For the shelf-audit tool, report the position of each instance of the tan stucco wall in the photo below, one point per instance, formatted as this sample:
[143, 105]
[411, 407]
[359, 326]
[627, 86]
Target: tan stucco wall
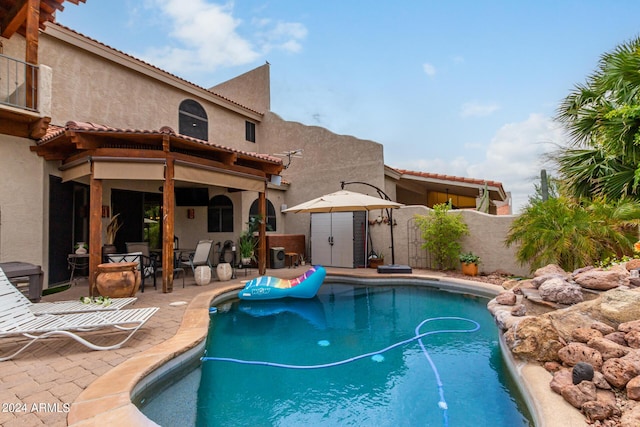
[22, 184]
[327, 159]
[486, 239]
[90, 88]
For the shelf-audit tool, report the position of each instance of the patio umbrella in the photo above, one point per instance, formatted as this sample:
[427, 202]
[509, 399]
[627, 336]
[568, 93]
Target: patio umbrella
[343, 201]
[348, 201]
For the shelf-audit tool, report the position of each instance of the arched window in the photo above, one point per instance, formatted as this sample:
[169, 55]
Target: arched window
[193, 120]
[220, 215]
[271, 214]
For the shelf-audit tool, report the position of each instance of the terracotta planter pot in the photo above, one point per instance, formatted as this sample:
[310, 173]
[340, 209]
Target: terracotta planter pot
[470, 269]
[117, 279]
[376, 262]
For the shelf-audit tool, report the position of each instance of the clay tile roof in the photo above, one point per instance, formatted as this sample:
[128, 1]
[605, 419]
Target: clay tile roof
[55, 131]
[453, 178]
[159, 69]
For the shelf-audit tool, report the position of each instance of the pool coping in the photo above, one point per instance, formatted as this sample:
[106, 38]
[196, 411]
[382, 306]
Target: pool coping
[108, 400]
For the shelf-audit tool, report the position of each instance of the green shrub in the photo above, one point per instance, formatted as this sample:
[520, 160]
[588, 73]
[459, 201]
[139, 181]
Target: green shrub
[441, 232]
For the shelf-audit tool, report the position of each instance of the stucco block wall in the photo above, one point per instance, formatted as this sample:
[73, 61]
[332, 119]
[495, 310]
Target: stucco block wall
[487, 234]
[21, 202]
[327, 159]
[90, 88]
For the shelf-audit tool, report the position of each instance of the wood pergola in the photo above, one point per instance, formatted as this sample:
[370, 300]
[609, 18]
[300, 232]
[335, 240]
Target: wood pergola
[94, 153]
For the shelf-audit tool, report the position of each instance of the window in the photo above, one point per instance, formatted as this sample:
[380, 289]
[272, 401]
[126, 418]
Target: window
[271, 214]
[250, 131]
[193, 120]
[220, 215]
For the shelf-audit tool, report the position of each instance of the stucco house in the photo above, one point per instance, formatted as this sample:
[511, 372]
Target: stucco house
[87, 131]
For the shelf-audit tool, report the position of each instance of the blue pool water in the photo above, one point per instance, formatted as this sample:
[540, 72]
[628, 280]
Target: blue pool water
[452, 378]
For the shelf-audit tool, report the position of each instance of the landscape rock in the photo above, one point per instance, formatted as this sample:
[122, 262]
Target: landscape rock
[578, 395]
[552, 366]
[596, 410]
[506, 298]
[631, 418]
[600, 382]
[561, 379]
[617, 337]
[633, 339]
[534, 338]
[603, 279]
[519, 310]
[633, 325]
[561, 291]
[633, 388]
[510, 284]
[584, 335]
[603, 327]
[565, 321]
[582, 371]
[632, 264]
[539, 280]
[618, 372]
[577, 352]
[608, 349]
[620, 305]
[549, 270]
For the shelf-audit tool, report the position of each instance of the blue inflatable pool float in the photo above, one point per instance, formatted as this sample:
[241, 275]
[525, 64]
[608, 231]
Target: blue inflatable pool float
[267, 287]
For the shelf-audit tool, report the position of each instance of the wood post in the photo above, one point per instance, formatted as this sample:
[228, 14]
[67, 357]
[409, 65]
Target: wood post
[31, 53]
[95, 230]
[168, 218]
[262, 232]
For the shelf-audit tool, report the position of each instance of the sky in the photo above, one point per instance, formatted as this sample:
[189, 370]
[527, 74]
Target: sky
[462, 87]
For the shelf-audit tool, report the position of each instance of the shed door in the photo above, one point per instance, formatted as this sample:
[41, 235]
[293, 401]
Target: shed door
[332, 239]
[342, 233]
[321, 239]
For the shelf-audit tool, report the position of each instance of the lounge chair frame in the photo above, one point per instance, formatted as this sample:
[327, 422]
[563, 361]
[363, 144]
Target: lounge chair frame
[17, 319]
[59, 307]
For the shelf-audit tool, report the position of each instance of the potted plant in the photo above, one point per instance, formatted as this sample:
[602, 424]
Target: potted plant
[246, 246]
[470, 263]
[376, 259]
[112, 229]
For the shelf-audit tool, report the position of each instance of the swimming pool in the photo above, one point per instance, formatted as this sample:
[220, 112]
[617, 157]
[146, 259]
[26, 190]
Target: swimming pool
[395, 387]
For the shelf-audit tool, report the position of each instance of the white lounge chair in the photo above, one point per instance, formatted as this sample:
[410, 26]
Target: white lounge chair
[16, 319]
[60, 307]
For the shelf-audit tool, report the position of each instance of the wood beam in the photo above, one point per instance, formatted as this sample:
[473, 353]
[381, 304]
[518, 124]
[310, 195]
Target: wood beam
[95, 230]
[31, 53]
[168, 229]
[14, 19]
[38, 129]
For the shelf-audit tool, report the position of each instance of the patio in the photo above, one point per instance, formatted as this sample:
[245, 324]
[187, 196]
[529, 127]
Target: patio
[43, 382]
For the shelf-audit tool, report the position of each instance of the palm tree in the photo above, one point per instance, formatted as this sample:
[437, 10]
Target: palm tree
[603, 119]
[573, 234]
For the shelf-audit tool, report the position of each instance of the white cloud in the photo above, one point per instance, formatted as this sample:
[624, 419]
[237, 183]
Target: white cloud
[204, 36]
[429, 69]
[514, 157]
[477, 109]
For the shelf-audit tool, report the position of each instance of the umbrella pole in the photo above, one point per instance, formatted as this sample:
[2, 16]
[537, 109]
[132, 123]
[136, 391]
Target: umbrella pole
[382, 195]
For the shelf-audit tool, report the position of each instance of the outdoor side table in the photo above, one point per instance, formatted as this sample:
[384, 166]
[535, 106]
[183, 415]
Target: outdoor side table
[34, 272]
[77, 261]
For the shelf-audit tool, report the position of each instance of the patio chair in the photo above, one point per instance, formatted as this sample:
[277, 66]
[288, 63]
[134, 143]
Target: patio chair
[16, 319]
[200, 257]
[60, 307]
[146, 268]
[149, 260]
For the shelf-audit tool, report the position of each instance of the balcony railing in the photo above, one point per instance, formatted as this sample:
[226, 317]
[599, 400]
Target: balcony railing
[18, 83]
